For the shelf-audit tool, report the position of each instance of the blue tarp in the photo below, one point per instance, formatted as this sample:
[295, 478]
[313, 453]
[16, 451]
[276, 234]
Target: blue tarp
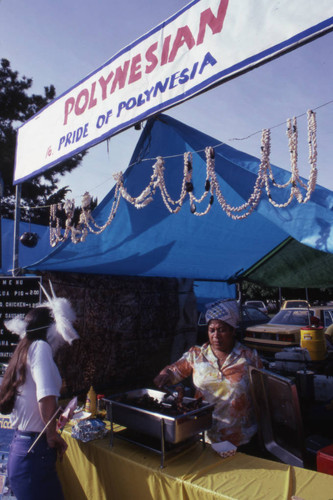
[154, 242]
[26, 255]
[210, 291]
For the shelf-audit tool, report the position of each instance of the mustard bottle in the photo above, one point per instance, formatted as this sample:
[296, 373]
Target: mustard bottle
[90, 406]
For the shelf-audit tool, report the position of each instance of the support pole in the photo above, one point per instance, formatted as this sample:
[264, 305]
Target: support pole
[15, 270]
[1, 195]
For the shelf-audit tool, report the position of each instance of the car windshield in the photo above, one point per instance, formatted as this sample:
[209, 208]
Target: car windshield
[296, 303]
[328, 317]
[255, 303]
[291, 317]
[253, 314]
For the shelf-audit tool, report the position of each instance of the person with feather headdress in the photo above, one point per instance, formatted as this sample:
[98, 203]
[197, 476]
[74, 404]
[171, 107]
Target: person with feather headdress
[29, 393]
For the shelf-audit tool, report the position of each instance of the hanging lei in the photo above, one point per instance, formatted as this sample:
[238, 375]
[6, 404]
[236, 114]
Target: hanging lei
[63, 215]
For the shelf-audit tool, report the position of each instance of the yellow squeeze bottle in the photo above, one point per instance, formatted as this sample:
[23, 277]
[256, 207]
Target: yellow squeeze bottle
[90, 406]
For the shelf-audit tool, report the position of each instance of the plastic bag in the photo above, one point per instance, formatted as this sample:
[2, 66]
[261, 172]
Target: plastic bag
[87, 430]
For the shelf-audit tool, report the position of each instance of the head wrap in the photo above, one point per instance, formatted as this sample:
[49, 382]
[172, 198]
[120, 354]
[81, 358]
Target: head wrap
[61, 329]
[224, 310]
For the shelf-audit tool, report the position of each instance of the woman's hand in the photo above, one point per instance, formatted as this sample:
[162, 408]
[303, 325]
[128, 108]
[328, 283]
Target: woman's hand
[165, 377]
[48, 411]
[54, 440]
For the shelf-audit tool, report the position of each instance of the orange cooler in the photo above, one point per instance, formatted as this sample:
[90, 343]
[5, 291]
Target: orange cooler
[313, 339]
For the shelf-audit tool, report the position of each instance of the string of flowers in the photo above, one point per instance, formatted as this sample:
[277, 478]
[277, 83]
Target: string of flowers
[64, 214]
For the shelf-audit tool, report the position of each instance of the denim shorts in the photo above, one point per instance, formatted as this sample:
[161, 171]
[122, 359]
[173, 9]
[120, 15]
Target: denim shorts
[33, 475]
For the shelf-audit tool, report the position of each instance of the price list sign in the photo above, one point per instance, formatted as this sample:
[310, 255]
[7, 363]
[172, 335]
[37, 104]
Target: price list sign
[18, 295]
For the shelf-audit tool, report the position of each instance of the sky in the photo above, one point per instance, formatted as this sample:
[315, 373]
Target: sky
[60, 42]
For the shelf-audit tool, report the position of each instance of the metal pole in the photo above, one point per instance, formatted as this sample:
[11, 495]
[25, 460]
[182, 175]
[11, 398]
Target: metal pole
[239, 292]
[2, 190]
[15, 269]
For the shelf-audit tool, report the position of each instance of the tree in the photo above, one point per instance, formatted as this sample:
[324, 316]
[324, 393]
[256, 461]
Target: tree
[254, 291]
[16, 106]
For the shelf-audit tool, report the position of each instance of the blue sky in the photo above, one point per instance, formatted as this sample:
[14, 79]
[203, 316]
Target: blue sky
[60, 42]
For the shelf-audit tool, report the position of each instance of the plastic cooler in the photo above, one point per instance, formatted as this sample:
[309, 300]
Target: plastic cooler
[313, 339]
[325, 460]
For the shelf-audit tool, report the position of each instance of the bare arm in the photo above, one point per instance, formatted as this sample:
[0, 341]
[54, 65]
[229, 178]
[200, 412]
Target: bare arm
[47, 408]
[165, 377]
[174, 373]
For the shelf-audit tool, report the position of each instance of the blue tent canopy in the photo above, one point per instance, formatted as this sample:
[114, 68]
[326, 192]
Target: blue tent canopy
[26, 255]
[154, 242]
[210, 291]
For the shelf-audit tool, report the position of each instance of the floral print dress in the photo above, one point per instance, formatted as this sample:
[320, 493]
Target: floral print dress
[227, 387]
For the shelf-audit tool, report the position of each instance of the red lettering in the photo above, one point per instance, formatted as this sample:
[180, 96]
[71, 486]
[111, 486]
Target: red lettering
[215, 23]
[131, 70]
[135, 73]
[151, 57]
[69, 105]
[92, 100]
[104, 83]
[120, 77]
[183, 35]
[84, 94]
[165, 50]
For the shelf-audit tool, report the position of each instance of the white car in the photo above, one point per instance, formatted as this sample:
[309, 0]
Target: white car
[284, 329]
[259, 304]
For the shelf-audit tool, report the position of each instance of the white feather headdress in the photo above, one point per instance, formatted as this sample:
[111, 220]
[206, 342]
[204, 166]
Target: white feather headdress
[16, 325]
[61, 330]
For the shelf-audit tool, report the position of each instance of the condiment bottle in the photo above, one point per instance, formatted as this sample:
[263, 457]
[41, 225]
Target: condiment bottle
[101, 412]
[90, 406]
[100, 402]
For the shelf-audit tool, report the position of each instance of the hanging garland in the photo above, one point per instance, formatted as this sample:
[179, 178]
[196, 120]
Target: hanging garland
[64, 213]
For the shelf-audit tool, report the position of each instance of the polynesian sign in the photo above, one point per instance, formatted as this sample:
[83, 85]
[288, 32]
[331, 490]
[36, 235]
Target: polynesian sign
[204, 44]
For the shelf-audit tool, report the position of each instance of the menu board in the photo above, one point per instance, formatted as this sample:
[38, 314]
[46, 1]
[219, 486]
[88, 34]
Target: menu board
[18, 294]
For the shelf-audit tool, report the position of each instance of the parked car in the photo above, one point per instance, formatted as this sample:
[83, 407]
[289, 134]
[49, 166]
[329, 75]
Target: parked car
[291, 304]
[259, 304]
[249, 316]
[283, 330]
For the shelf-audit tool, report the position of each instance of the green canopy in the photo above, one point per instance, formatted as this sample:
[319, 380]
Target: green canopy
[293, 265]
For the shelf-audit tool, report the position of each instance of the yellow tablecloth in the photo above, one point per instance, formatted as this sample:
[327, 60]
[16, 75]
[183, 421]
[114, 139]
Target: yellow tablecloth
[94, 471]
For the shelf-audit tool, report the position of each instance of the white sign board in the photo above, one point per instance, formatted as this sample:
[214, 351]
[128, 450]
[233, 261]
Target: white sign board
[205, 43]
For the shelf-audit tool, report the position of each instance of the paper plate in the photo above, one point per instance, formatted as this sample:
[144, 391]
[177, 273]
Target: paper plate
[80, 415]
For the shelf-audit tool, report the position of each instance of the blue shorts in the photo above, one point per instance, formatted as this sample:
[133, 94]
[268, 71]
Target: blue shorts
[33, 476]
